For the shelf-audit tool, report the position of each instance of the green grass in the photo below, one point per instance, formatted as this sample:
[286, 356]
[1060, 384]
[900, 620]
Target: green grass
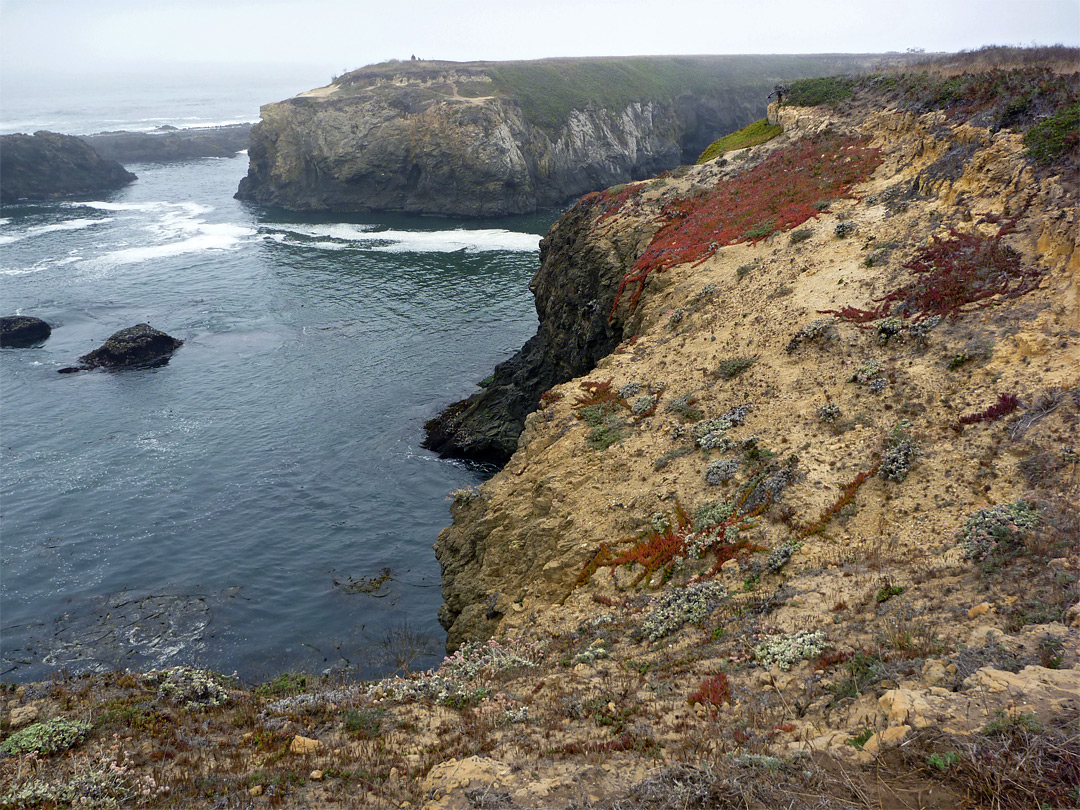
[1055, 137]
[756, 133]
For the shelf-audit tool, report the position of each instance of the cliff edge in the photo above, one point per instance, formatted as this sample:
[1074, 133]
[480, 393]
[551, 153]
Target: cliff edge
[495, 138]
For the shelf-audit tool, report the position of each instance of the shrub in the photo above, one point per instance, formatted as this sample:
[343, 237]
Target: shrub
[786, 650]
[823, 90]
[48, 737]
[1055, 138]
[801, 235]
[997, 531]
[680, 606]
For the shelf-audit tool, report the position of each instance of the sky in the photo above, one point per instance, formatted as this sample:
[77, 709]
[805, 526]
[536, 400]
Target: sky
[329, 37]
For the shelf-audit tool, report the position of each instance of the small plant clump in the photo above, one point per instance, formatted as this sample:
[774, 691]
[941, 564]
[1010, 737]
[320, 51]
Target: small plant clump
[188, 687]
[899, 455]
[734, 366]
[998, 531]
[787, 650]
[828, 413]
[681, 606]
[845, 229]
[463, 679]
[714, 691]
[1006, 404]
[721, 471]
[866, 373]
[48, 737]
[818, 331]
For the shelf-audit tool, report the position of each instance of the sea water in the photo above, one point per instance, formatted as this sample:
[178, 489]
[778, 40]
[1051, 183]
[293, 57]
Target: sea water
[261, 503]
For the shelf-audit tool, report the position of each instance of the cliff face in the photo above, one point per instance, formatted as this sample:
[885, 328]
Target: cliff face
[574, 291]
[743, 326]
[460, 139]
[48, 165]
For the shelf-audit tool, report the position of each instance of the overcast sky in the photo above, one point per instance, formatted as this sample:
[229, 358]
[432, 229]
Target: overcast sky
[334, 35]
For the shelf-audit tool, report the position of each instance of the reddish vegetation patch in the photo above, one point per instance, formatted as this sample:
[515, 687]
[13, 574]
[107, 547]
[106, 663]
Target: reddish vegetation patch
[847, 495]
[714, 691]
[660, 550]
[1005, 405]
[784, 190]
[964, 272]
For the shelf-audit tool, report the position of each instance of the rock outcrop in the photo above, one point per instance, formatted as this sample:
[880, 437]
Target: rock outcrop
[21, 331]
[574, 291]
[167, 144]
[485, 139]
[139, 346]
[48, 165]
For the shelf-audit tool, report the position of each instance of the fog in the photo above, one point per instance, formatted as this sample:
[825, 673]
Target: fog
[317, 39]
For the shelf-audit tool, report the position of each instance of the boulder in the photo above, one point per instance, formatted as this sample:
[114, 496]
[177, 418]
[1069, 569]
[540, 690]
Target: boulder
[21, 331]
[48, 165]
[139, 346]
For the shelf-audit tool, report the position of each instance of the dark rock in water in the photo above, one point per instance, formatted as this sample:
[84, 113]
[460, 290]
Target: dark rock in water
[170, 143]
[575, 290]
[138, 346]
[48, 166]
[22, 331]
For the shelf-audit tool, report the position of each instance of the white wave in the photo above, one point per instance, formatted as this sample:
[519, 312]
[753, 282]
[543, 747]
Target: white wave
[4, 221]
[189, 208]
[38, 230]
[203, 236]
[460, 239]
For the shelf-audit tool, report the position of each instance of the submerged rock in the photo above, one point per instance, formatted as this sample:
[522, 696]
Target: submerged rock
[139, 346]
[21, 331]
[48, 165]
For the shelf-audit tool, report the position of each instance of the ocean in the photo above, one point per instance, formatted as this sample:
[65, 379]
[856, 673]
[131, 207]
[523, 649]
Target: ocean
[261, 503]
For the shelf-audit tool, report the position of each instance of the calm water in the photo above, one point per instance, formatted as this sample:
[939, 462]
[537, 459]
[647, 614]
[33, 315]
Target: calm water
[226, 509]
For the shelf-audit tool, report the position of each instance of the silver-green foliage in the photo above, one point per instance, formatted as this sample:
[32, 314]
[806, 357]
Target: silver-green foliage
[786, 650]
[680, 606]
[48, 737]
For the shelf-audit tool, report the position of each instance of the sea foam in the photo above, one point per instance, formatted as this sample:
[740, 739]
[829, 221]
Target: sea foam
[346, 235]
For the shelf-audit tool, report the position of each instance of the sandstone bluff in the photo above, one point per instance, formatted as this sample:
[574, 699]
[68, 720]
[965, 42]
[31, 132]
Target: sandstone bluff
[495, 138]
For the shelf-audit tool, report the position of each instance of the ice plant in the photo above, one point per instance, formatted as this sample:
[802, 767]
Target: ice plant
[779, 193]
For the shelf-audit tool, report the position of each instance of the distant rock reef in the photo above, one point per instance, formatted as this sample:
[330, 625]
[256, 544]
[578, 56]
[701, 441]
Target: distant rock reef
[169, 143]
[48, 165]
[497, 138]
